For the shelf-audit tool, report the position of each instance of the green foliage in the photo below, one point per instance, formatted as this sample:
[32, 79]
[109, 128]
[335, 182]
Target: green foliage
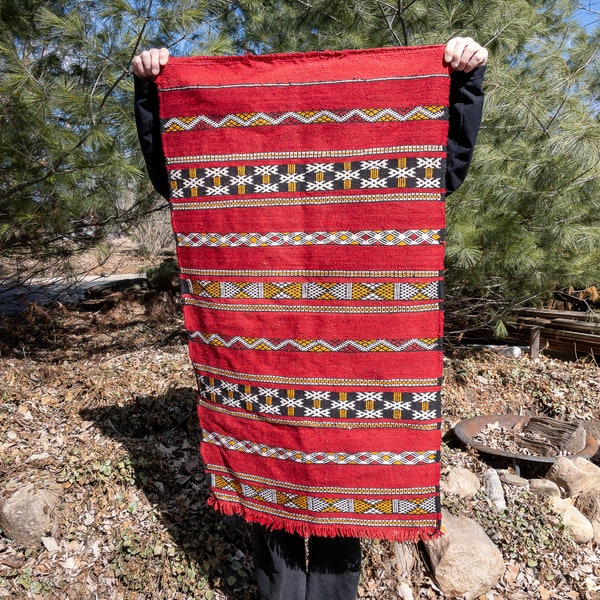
[61, 167]
[526, 221]
[71, 171]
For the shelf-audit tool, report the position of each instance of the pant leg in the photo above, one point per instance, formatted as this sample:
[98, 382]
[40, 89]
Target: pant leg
[280, 563]
[333, 568]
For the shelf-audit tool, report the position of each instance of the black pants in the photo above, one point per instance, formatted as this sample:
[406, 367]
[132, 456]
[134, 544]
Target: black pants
[283, 573]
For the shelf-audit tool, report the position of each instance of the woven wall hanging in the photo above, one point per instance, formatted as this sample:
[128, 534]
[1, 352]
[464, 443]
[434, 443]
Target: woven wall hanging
[307, 195]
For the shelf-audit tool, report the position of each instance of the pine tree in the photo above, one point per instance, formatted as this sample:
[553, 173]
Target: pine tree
[527, 220]
[71, 170]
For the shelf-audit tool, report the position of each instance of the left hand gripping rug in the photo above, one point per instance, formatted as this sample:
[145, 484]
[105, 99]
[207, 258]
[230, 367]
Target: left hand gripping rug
[307, 197]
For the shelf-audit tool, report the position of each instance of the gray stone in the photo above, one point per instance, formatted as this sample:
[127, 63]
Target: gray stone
[493, 488]
[596, 526]
[588, 503]
[26, 516]
[403, 558]
[580, 528]
[465, 562]
[544, 488]
[511, 479]
[574, 475]
[405, 591]
[460, 482]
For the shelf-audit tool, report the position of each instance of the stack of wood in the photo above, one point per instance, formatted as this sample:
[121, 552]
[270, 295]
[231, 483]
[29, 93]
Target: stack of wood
[544, 436]
[566, 334]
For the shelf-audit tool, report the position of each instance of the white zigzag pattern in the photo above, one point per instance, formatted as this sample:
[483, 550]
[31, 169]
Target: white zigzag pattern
[423, 457]
[213, 339]
[260, 118]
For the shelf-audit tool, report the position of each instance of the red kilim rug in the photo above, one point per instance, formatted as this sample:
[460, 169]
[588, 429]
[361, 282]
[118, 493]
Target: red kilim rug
[307, 195]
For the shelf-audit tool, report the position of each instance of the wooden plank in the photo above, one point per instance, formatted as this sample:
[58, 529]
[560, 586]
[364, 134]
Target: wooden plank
[557, 314]
[570, 325]
[559, 344]
[568, 437]
[534, 343]
[559, 333]
[534, 321]
[589, 338]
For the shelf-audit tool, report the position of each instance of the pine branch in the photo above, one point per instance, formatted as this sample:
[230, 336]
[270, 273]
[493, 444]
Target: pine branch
[54, 168]
[389, 23]
[498, 34]
[523, 103]
[140, 36]
[402, 17]
[328, 15]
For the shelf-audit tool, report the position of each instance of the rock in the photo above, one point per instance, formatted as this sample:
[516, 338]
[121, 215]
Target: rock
[580, 529]
[574, 475]
[103, 289]
[544, 488]
[588, 467]
[596, 527]
[50, 544]
[403, 558]
[464, 560]
[588, 503]
[494, 490]
[511, 479]
[26, 515]
[405, 591]
[460, 482]
[165, 276]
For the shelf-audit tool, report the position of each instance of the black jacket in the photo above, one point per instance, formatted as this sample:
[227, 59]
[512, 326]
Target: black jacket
[466, 103]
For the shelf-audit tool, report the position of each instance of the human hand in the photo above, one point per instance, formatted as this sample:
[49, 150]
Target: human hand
[465, 54]
[150, 63]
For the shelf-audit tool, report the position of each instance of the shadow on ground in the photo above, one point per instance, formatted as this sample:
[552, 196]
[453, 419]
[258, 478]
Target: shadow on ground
[161, 435]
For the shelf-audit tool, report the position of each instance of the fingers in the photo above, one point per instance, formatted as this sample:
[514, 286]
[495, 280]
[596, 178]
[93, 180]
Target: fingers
[465, 54]
[150, 63]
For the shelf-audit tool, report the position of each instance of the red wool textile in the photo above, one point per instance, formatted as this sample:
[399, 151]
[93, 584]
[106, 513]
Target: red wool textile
[307, 196]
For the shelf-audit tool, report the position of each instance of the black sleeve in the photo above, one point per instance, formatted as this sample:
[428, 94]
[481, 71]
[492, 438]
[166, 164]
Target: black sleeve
[148, 128]
[466, 105]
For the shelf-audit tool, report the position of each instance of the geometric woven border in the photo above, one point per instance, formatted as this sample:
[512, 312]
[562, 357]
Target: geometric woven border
[288, 402]
[319, 504]
[304, 117]
[418, 172]
[408, 458]
[238, 342]
[386, 237]
[314, 290]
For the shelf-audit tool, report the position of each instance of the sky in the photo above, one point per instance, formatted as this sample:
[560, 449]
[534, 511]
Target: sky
[591, 16]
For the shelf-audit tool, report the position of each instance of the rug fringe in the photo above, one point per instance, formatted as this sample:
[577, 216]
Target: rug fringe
[395, 534]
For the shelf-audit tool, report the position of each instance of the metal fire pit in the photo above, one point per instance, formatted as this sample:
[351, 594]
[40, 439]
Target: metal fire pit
[467, 429]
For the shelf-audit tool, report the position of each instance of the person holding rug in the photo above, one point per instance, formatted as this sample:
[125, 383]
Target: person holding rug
[332, 570]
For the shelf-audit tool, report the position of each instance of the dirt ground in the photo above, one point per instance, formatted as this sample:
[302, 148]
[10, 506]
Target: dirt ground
[104, 403]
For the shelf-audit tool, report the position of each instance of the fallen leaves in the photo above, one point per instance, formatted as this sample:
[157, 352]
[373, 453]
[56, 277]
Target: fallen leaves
[106, 405]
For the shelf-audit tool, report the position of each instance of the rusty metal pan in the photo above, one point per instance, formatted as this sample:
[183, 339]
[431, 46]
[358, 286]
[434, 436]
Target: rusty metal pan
[467, 429]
